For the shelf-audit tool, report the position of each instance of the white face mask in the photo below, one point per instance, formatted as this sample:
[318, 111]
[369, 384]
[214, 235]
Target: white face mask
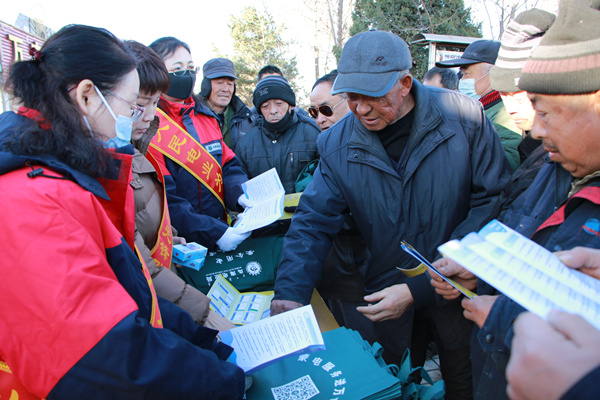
[123, 126]
[467, 87]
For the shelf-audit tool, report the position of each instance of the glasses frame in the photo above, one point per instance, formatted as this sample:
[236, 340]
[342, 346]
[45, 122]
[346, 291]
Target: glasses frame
[182, 72]
[136, 110]
[325, 109]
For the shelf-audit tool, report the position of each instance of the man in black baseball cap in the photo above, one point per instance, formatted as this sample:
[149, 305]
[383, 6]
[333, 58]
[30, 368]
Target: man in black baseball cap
[409, 162]
[475, 64]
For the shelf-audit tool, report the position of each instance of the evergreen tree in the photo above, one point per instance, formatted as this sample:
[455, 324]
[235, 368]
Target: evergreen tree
[409, 17]
[258, 42]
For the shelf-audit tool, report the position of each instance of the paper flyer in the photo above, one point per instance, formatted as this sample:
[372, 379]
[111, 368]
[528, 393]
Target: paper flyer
[262, 343]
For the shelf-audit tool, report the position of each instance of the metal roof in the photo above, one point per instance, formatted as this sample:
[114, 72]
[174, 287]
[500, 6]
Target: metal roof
[426, 38]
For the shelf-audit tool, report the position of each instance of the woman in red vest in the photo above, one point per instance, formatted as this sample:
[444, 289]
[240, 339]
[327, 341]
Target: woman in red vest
[79, 318]
[202, 175]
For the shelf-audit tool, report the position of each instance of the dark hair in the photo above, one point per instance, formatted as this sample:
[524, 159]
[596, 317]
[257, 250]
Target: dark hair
[329, 78]
[74, 53]
[154, 76]
[448, 77]
[268, 69]
[168, 45]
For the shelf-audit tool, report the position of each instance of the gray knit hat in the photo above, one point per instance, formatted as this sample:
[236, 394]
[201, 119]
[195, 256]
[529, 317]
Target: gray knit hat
[567, 61]
[273, 87]
[519, 39]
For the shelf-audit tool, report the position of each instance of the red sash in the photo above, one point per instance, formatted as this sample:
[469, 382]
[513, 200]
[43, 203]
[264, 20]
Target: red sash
[174, 142]
[162, 252]
[155, 317]
[10, 387]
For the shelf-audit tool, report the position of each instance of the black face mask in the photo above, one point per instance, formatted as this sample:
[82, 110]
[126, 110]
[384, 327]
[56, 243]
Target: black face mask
[181, 86]
[280, 126]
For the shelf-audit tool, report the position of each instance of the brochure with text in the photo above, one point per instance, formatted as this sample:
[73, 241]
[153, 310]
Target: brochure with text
[239, 308]
[265, 193]
[262, 343]
[526, 272]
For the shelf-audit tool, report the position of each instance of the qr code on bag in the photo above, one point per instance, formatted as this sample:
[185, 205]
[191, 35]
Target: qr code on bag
[301, 389]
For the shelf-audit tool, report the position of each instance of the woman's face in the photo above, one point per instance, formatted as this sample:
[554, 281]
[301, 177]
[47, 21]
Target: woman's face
[149, 101]
[179, 60]
[100, 119]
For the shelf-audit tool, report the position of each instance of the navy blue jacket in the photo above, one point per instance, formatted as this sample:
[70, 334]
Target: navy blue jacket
[195, 211]
[545, 214]
[446, 185]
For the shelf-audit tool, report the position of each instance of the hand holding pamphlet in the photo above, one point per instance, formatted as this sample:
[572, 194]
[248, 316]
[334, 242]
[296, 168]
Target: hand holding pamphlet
[264, 194]
[526, 272]
[262, 343]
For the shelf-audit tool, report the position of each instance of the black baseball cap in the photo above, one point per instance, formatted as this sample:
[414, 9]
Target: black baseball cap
[480, 51]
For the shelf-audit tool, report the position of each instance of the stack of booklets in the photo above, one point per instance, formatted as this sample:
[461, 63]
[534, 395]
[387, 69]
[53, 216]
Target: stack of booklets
[347, 369]
[526, 272]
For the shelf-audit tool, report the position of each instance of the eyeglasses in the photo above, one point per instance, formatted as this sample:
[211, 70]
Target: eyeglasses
[136, 110]
[325, 110]
[181, 72]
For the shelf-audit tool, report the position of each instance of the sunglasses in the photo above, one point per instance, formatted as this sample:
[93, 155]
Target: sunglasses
[325, 110]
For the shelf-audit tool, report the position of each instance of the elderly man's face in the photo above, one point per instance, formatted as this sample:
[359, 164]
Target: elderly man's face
[274, 110]
[480, 73]
[221, 92]
[375, 113]
[321, 96]
[569, 127]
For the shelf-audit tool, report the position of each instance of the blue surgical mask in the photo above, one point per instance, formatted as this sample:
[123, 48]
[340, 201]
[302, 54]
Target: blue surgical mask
[123, 126]
[467, 87]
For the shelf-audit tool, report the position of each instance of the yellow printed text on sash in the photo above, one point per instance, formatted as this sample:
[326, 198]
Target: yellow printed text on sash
[177, 144]
[162, 252]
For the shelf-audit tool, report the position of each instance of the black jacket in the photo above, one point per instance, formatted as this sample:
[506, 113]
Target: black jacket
[288, 152]
[446, 185]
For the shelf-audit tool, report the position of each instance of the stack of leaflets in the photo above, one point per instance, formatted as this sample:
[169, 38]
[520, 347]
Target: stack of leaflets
[239, 308]
[526, 272]
[190, 255]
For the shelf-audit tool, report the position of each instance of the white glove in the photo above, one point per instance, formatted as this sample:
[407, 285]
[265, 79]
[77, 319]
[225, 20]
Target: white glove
[244, 201]
[231, 238]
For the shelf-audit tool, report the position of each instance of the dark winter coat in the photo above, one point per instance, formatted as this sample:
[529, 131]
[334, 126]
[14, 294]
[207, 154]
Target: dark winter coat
[288, 152]
[446, 185]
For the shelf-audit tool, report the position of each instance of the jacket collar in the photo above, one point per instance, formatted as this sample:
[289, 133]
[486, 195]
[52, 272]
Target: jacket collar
[427, 117]
[10, 162]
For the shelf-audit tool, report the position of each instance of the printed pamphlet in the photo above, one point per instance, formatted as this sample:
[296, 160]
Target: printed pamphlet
[239, 308]
[264, 342]
[265, 193]
[526, 272]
